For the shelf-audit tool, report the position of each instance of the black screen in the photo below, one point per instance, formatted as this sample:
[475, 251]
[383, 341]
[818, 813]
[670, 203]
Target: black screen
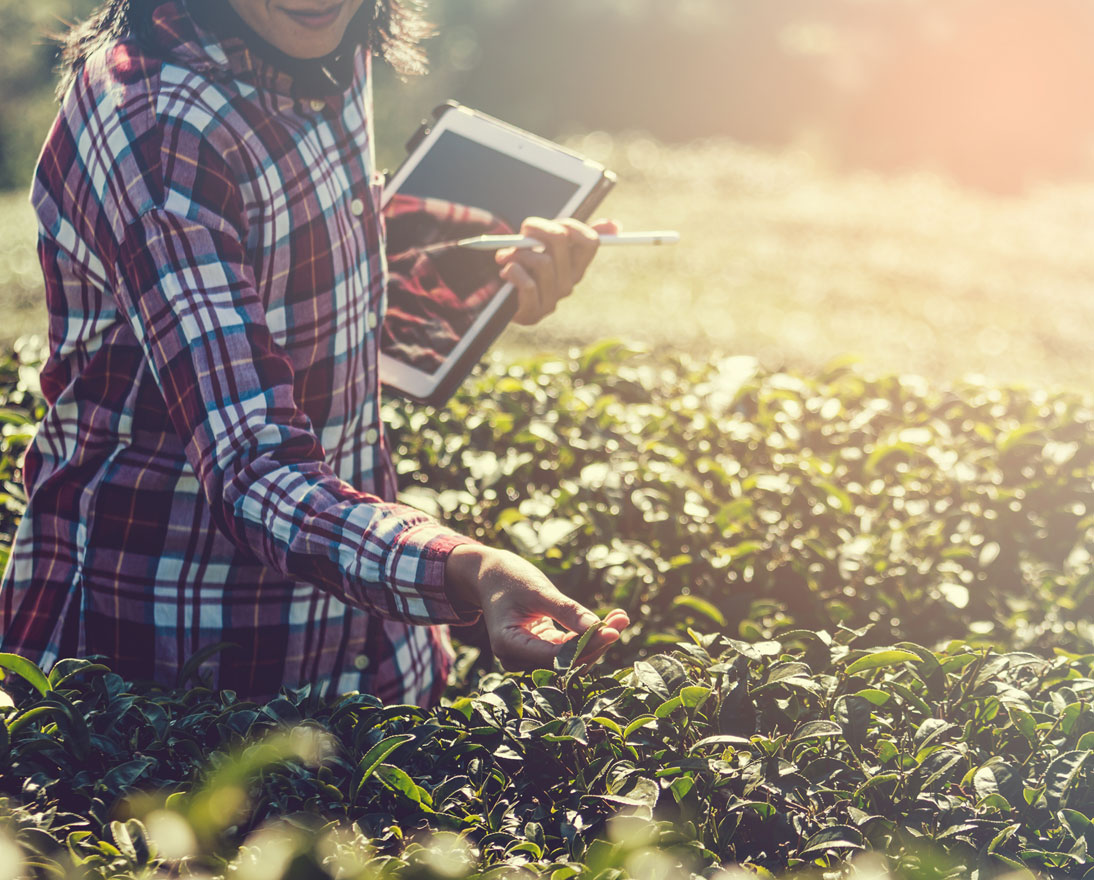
[458, 169]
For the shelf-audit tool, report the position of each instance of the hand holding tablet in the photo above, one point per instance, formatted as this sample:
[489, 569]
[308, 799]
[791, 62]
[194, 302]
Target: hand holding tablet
[463, 193]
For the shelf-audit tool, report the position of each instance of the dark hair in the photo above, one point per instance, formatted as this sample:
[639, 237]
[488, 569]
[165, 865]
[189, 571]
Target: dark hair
[393, 29]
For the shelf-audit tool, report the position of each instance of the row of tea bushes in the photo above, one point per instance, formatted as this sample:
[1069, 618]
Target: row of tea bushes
[721, 495]
[715, 493]
[777, 755]
[861, 645]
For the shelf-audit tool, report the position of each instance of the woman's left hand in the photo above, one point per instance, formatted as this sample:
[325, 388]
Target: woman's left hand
[542, 278]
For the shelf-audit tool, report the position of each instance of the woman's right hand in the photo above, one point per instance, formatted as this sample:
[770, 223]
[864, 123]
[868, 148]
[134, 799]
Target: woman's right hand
[523, 611]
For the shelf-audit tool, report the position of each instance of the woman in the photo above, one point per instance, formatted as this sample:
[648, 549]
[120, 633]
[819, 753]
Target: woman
[212, 466]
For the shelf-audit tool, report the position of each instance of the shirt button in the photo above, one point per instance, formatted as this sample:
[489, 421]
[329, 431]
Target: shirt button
[360, 662]
[373, 320]
[357, 207]
[317, 105]
[372, 436]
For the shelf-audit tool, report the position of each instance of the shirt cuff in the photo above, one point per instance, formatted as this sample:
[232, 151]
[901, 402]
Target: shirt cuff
[415, 571]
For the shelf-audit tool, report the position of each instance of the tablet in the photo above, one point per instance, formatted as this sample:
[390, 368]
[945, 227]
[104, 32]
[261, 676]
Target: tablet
[466, 174]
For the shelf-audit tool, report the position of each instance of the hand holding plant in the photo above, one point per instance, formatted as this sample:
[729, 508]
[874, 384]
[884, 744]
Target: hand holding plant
[523, 611]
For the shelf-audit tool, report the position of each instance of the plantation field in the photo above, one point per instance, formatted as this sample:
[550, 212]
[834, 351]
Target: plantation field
[797, 265]
[862, 648]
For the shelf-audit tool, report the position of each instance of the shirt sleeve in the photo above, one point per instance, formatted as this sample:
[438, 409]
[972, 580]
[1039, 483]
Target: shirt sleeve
[183, 283]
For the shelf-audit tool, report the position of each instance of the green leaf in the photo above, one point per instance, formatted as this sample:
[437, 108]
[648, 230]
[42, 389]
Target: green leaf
[375, 756]
[122, 777]
[880, 658]
[878, 698]
[574, 728]
[854, 715]
[928, 669]
[543, 677]
[694, 696]
[608, 723]
[1078, 824]
[1070, 717]
[638, 723]
[998, 777]
[879, 781]
[722, 739]
[1024, 722]
[639, 791]
[650, 679]
[399, 781]
[682, 786]
[569, 655]
[27, 670]
[65, 670]
[834, 837]
[1061, 775]
[1003, 836]
[527, 846]
[668, 707]
[817, 730]
[191, 666]
[910, 697]
[702, 607]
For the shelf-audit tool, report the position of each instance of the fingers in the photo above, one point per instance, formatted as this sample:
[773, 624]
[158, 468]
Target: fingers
[572, 615]
[548, 276]
[556, 241]
[534, 643]
[617, 620]
[532, 275]
[527, 618]
[522, 650]
[583, 242]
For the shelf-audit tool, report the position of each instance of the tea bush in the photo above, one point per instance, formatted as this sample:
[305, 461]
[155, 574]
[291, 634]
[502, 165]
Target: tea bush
[861, 645]
[692, 492]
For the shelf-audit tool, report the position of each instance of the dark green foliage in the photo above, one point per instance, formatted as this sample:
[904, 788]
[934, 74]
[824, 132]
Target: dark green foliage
[531, 769]
[860, 632]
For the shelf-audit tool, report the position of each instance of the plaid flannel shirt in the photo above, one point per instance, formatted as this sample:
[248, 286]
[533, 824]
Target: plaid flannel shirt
[212, 466]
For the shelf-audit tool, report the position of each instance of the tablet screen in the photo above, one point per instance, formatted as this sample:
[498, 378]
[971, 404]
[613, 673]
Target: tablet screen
[459, 189]
[460, 170]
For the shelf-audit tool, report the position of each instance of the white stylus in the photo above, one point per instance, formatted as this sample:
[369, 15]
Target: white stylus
[497, 242]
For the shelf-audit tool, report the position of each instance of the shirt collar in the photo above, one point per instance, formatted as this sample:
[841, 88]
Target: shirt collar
[223, 46]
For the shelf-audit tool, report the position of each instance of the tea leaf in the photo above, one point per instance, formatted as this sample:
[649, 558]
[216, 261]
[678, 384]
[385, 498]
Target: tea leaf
[702, 607]
[375, 756]
[569, 655]
[815, 729]
[879, 659]
[1061, 776]
[26, 670]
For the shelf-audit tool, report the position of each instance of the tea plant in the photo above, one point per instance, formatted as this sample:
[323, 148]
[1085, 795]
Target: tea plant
[861, 639]
[779, 754]
[716, 493]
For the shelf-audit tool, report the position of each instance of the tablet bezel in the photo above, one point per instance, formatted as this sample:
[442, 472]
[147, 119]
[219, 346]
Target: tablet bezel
[492, 133]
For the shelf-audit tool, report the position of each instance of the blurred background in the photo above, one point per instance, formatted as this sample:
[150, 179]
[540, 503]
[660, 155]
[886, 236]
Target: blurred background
[909, 182]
